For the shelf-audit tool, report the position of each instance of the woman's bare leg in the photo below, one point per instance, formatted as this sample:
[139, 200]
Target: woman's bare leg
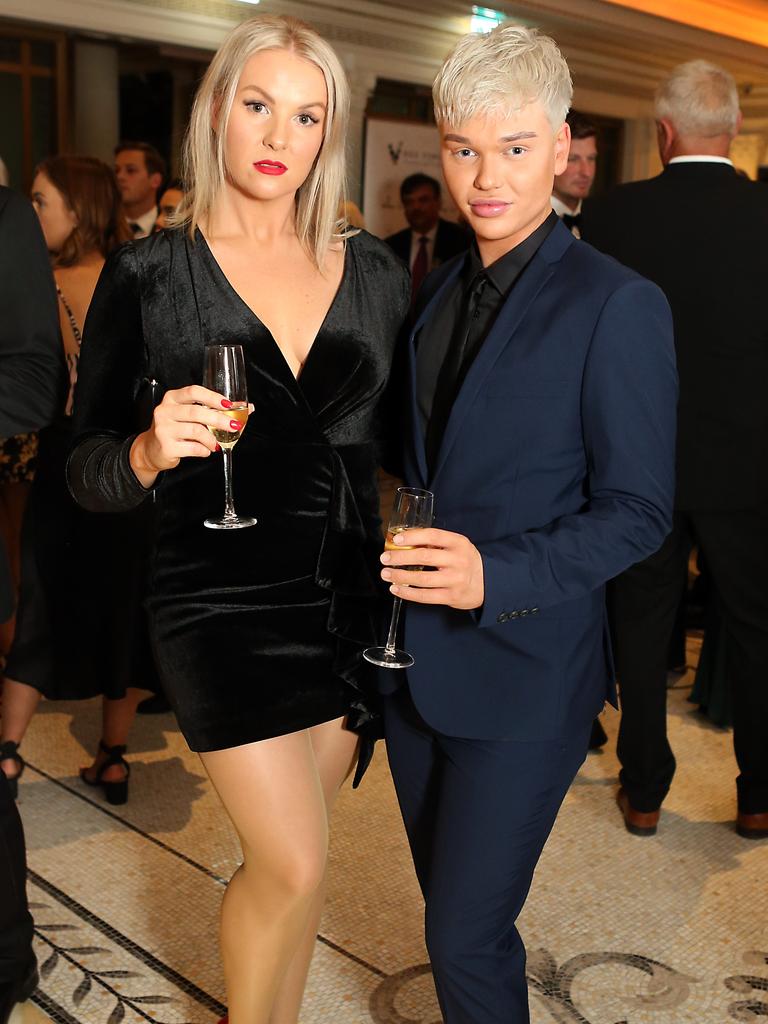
[116, 720]
[274, 796]
[19, 705]
[335, 749]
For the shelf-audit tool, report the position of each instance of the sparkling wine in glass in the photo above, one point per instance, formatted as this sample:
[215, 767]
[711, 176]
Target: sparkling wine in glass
[413, 509]
[224, 372]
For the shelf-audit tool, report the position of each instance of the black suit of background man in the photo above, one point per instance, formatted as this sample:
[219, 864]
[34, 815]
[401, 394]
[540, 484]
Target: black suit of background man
[421, 198]
[699, 231]
[31, 380]
[450, 240]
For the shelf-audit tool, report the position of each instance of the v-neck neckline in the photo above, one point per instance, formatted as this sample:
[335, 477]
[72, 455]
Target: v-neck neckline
[302, 370]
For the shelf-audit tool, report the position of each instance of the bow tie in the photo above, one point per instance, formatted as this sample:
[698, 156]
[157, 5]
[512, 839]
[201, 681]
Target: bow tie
[572, 220]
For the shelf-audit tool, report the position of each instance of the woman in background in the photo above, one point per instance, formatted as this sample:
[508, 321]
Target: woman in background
[79, 626]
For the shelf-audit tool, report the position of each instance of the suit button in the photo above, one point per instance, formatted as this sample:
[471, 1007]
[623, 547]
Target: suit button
[534, 611]
[514, 615]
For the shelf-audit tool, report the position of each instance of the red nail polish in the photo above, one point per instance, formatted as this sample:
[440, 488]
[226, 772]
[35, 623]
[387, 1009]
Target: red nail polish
[236, 424]
[226, 403]
[218, 448]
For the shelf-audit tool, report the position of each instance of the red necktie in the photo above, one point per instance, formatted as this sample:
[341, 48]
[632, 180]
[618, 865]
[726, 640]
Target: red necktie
[420, 266]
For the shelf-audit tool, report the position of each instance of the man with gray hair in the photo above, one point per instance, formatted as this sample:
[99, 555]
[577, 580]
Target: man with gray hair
[540, 411]
[699, 231]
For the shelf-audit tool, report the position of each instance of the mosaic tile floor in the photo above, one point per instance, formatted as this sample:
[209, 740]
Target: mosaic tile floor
[620, 930]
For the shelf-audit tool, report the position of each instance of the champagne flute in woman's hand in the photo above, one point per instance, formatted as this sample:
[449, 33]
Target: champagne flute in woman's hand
[224, 372]
[413, 509]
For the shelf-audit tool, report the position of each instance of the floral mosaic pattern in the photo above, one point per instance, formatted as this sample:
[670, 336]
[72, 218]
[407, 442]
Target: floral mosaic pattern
[89, 972]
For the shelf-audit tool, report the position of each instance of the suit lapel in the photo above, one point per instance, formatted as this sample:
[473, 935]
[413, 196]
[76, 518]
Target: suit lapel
[416, 433]
[523, 295]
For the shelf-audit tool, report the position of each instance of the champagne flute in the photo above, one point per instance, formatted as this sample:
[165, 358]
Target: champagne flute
[224, 372]
[413, 509]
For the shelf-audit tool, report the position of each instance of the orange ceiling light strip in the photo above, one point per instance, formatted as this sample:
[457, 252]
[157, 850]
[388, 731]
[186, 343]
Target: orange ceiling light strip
[741, 19]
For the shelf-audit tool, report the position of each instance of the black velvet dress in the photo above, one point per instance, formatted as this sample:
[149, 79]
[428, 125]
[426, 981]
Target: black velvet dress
[256, 632]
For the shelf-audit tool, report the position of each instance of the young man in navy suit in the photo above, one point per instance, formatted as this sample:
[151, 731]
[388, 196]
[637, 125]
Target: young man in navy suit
[542, 415]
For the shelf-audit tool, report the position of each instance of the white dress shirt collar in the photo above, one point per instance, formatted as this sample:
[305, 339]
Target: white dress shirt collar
[146, 222]
[560, 208]
[703, 159]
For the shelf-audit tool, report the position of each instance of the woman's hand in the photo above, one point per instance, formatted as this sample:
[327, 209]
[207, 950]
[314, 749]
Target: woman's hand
[180, 430]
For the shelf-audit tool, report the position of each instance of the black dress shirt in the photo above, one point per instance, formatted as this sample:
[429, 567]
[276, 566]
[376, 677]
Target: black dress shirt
[449, 342]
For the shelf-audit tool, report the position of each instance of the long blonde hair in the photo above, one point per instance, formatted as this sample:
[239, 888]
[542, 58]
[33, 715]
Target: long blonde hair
[319, 197]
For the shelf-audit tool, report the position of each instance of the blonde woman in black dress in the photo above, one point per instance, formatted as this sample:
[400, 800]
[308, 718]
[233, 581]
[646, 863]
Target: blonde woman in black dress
[258, 632]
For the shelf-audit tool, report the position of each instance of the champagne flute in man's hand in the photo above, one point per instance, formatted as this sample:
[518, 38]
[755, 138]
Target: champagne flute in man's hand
[413, 509]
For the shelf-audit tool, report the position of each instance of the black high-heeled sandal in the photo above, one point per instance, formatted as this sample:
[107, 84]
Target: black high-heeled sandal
[115, 792]
[9, 751]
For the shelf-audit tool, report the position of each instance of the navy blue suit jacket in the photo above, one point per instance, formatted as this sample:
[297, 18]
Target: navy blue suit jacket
[558, 463]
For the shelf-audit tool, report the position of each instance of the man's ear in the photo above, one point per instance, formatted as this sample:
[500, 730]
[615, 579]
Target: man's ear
[562, 147]
[665, 136]
[156, 180]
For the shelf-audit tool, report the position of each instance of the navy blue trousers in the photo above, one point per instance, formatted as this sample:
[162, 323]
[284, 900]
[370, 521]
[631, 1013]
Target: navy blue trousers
[477, 814]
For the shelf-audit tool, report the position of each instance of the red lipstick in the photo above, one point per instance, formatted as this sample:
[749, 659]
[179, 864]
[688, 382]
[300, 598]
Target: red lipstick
[270, 167]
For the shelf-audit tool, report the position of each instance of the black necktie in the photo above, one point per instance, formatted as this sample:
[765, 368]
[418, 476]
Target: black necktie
[452, 372]
[572, 220]
[420, 266]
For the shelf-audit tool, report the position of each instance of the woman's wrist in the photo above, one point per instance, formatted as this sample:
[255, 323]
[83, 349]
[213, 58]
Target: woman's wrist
[144, 471]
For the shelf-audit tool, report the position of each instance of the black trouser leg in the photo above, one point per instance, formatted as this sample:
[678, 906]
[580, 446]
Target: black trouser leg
[644, 602]
[676, 653]
[15, 919]
[735, 546]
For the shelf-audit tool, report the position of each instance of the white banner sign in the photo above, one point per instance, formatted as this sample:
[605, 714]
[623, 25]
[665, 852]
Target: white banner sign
[393, 150]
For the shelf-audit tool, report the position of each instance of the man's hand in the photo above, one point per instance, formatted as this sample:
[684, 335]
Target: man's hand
[457, 580]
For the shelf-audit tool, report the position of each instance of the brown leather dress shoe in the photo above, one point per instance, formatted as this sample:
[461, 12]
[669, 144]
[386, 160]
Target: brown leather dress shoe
[752, 826]
[639, 823]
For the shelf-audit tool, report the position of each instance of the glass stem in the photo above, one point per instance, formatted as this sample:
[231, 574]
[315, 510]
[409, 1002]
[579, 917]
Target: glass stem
[392, 637]
[229, 505]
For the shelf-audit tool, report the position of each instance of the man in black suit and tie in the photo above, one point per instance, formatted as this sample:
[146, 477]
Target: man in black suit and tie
[699, 231]
[31, 379]
[139, 173]
[572, 187]
[429, 240]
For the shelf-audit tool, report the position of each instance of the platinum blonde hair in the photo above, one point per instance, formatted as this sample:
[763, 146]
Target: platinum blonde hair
[319, 198]
[699, 98]
[501, 72]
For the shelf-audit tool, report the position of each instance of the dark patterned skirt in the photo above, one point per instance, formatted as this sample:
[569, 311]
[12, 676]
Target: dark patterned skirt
[18, 458]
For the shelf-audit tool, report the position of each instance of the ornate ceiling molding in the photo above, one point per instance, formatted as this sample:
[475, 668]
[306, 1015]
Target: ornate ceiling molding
[742, 19]
[612, 49]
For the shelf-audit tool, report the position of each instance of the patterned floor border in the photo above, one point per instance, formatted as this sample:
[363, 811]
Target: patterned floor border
[79, 953]
[91, 973]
